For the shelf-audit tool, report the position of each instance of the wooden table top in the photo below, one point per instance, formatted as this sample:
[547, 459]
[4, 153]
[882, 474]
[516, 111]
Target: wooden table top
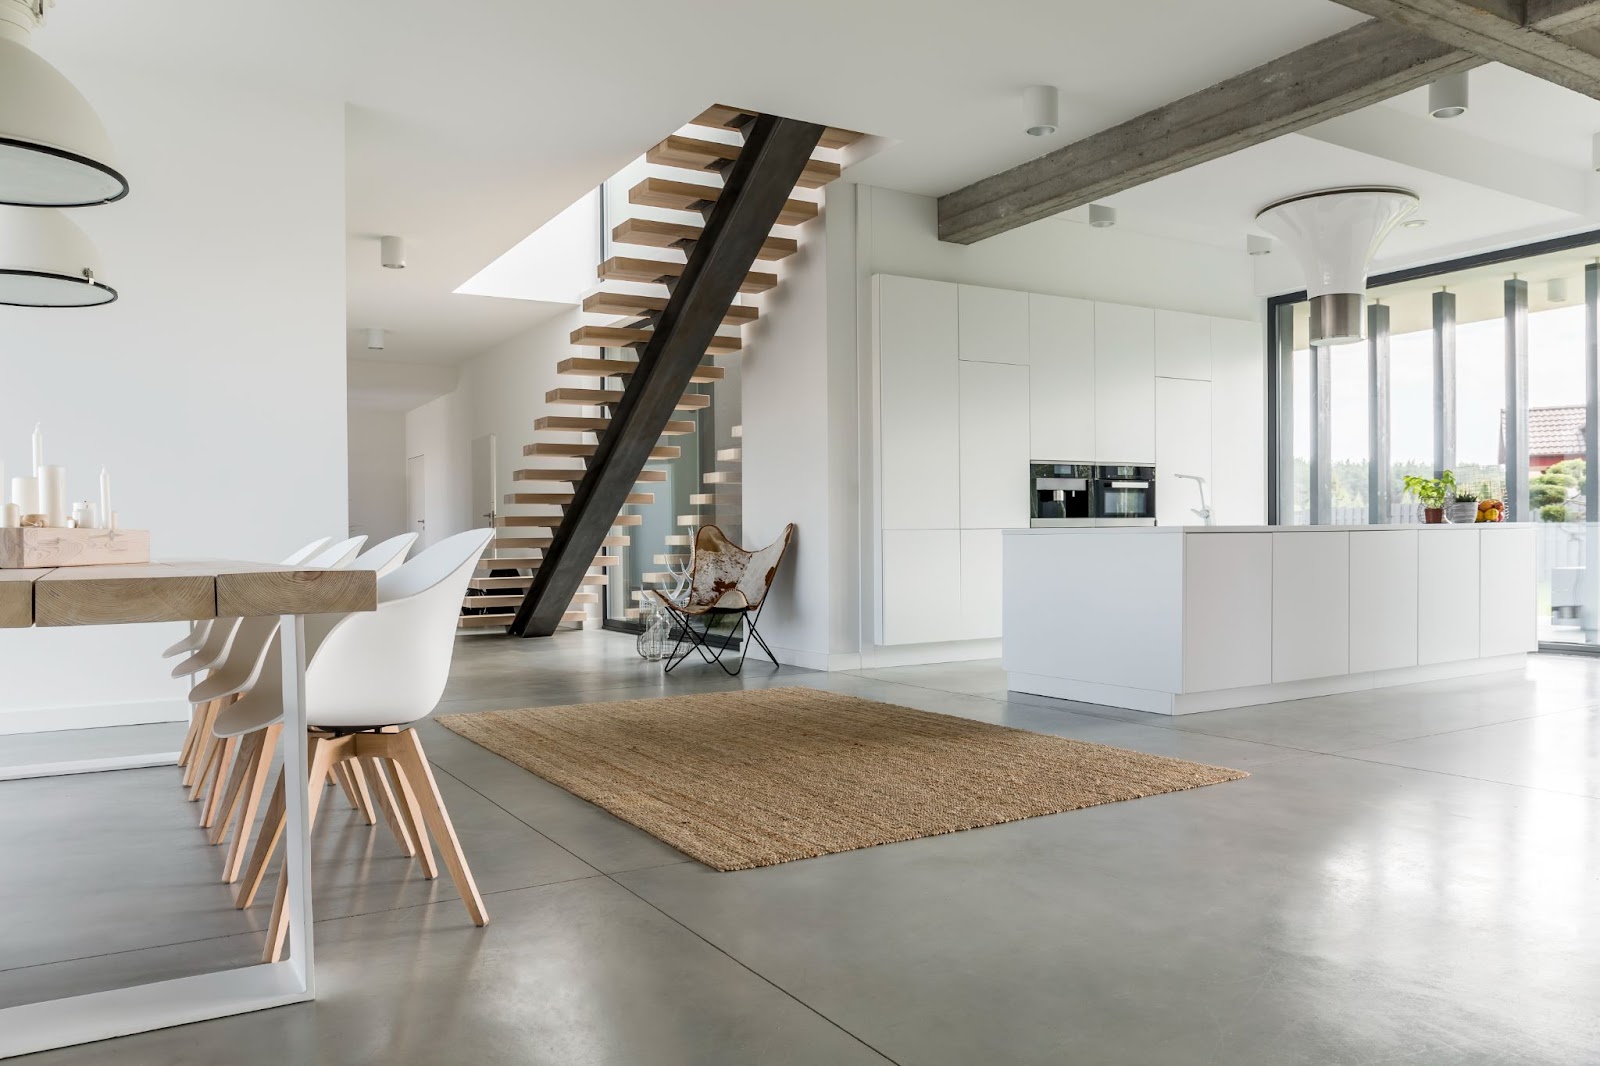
[178, 592]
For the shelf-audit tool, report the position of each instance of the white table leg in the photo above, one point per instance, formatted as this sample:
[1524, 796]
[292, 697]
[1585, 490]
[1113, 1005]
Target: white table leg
[124, 1011]
[297, 834]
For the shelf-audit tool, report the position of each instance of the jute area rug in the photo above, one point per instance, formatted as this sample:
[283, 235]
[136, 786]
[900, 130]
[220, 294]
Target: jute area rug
[763, 776]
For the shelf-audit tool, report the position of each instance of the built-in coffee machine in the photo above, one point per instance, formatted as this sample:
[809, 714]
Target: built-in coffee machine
[1063, 494]
[1085, 494]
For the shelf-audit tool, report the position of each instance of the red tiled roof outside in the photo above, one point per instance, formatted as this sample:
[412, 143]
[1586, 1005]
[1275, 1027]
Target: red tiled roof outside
[1554, 433]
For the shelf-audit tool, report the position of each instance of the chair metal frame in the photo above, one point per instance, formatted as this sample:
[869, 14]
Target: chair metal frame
[699, 640]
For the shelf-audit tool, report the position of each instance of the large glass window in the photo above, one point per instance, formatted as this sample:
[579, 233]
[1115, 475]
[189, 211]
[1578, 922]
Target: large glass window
[1456, 320]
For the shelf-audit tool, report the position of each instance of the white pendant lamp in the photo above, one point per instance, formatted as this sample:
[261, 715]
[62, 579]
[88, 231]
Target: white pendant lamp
[54, 152]
[46, 261]
[1334, 234]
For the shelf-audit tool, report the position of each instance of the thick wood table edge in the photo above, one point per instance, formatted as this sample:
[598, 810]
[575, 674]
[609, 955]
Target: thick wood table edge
[179, 591]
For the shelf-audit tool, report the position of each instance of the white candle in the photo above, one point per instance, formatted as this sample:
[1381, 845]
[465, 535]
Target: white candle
[38, 450]
[25, 494]
[104, 514]
[10, 516]
[53, 496]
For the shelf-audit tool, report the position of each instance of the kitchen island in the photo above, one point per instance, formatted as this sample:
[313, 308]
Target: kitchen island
[1178, 619]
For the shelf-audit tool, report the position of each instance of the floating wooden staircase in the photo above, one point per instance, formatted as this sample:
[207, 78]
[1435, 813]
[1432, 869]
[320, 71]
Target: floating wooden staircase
[524, 539]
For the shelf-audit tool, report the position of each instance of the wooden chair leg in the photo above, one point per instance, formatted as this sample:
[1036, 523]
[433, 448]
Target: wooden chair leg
[358, 781]
[266, 840]
[211, 747]
[411, 813]
[373, 772]
[405, 748]
[243, 765]
[341, 774]
[202, 726]
[324, 752]
[254, 787]
[187, 751]
[219, 782]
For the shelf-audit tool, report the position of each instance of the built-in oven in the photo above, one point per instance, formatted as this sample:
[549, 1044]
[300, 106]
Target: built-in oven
[1063, 494]
[1125, 495]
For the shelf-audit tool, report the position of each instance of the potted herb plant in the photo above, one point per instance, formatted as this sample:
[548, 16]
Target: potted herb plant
[1463, 506]
[1431, 492]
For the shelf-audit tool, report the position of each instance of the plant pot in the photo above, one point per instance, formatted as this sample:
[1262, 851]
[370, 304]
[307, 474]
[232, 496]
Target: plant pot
[1463, 512]
[1433, 516]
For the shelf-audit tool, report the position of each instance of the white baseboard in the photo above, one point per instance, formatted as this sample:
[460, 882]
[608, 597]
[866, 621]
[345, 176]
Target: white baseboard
[881, 656]
[1160, 702]
[46, 719]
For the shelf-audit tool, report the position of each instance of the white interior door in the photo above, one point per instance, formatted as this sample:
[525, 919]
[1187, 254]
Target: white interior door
[485, 458]
[416, 500]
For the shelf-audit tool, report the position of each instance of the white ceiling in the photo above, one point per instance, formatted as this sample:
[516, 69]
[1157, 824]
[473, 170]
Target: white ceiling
[471, 123]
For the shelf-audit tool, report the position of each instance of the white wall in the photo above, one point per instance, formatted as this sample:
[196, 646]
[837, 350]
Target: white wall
[377, 451]
[820, 480]
[213, 390]
[502, 392]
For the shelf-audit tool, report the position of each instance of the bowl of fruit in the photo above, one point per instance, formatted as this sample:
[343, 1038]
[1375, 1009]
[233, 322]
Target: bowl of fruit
[1490, 510]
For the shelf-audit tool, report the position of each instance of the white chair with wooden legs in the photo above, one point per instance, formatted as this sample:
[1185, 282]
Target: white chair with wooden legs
[241, 799]
[206, 645]
[231, 675]
[371, 677]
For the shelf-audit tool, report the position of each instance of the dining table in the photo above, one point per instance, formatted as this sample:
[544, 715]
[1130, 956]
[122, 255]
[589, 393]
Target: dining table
[188, 591]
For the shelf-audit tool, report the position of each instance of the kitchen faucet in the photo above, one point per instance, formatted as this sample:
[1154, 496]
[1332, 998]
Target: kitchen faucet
[1203, 510]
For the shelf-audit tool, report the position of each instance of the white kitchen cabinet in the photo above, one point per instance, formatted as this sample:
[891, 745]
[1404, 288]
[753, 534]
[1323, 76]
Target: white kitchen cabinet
[1227, 611]
[1506, 591]
[1447, 580]
[1310, 605]
[1383, 600]
[993, 324]
[921, 586]
[1124, 384]
[1238, 423]
[1060, 379]
[982, 555]
[1183, 345]
[919, 406]
[994, 445]
[1183, 446]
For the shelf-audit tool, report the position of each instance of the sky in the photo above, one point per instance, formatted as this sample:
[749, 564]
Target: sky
[1555, 378]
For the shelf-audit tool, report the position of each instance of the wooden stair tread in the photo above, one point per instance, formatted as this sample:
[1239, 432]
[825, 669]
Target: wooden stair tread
[702, 499]
[723, 117]
[608, 397]
[627, 303]
[720, 477]
[688, 196]
[660, 451]
[694, 153]
[544, 542]
[515, 600]
[474, 621]
[627, 337]
[730, 455]
[569, 474]
[657, 271]
[653, 233]
[737, 432]
[617, 368]
[561, 499]
[531, 562]
[598, 424]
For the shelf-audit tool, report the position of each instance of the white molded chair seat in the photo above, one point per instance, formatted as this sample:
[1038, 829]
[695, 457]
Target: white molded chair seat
[370, 676]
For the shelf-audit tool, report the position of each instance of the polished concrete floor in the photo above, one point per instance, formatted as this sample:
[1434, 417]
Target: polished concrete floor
[1409, 876]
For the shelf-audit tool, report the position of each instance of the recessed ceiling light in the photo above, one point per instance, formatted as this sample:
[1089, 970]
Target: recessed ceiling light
[1414, 223]
[1555, 290]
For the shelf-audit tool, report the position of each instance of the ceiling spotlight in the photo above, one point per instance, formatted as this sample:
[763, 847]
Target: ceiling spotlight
[1414, 223]
[1101, 216]
[392, 251]
[1256, 244]
[53, 150]
[46, 261]
[374, 340]
[1044, 110]
[1447, 97]
[1555, 290]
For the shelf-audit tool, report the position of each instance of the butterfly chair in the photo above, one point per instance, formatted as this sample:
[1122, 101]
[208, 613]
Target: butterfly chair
[726, 582]
[372, 676]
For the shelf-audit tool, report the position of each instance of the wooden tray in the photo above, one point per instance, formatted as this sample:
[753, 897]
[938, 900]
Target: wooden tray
[30, 548]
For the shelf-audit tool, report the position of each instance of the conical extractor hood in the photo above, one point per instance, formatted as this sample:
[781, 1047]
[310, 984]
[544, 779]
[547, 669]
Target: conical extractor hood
[1335, 234]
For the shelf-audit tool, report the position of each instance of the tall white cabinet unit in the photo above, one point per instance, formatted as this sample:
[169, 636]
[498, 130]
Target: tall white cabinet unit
[1124, 384]
[974, 383]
